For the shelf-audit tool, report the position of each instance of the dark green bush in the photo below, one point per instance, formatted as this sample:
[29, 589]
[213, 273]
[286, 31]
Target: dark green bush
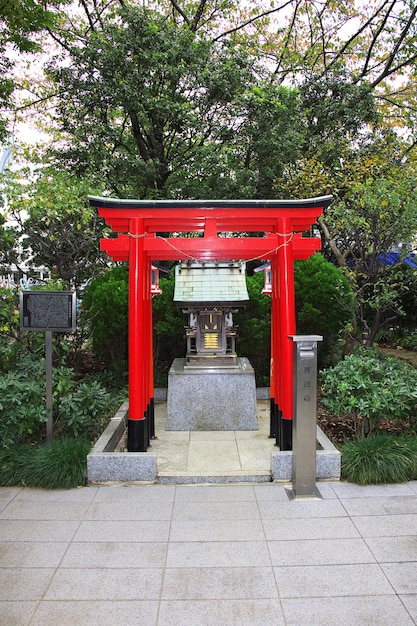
[104, 306]
[324, 305]
[372, 389]
[79, 408]
[22, 407]
[380, 458]
[254, 329]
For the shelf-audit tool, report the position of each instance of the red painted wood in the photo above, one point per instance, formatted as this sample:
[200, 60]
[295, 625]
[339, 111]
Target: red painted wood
[140, 224]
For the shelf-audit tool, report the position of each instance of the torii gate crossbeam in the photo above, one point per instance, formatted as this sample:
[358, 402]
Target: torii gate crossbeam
[140, 224]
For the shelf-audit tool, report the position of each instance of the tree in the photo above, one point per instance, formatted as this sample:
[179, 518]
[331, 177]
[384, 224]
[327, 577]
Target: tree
[324, 305]
[58, 229]
[374, 185]
[21, 23]
[142, 99]
[104, 308]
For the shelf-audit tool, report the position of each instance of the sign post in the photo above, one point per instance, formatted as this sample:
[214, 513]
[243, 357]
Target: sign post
[48, 311]
[305, 408]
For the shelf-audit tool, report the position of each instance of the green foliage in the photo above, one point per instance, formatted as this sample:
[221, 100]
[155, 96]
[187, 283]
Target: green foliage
[20, 24]
[324, 305]
[372, 389]
[143, 100]
[79, 408]
[82, 408]
[168, 331]
[254, 329]
[380, 458]
[58, 227]
[22, 407]
[9, 323]
[104, 306]
[60, 465]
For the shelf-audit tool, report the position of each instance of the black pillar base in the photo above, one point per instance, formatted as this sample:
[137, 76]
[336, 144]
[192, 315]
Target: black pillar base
[137, 435]
[286, 434]
[272, 418]
[152, 418]
[278, 427]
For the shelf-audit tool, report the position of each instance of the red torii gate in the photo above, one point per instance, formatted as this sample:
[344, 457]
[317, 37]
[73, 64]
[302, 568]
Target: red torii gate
[139, 223]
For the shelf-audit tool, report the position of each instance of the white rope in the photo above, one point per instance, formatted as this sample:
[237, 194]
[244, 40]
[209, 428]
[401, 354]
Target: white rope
[265, 255]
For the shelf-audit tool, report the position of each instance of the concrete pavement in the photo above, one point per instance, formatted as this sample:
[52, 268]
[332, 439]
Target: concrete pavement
[235, 554]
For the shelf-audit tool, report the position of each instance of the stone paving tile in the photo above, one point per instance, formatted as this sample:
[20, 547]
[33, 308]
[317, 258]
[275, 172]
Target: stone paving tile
[37, 530]
[142, 531]
[16, 613]
[8, 493]
[223, 457]
[349, 490]
[31, 554]
[134, 493]
[209, 554]
[402, 576]
[172, 456]
[222, 530]
[316, 528]
[212, 436]
[67, 511]
[352, 611]
[200, 583]
[325, 581]
[320, 552]
[193, 511]
[240, 612]
[272, 492]
[130, 511]
[80, 494]
[24, 583]
[386, 525]
[394, 505]
[255, 457]
[218, 554]
[215, 493]
[115, 554]
[393, 549]
[105, 584]
[296, 509]
[410, 603]
[97, 613]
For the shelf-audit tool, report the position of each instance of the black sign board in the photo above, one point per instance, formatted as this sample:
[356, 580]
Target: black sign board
[48, 311]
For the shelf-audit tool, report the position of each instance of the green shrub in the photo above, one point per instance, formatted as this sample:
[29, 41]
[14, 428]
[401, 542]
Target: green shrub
[378, 459]
[324, 305]
[22, 407]
[60, 465]
[254, 329]
[81, 408]
[372, 389]
[104, 306]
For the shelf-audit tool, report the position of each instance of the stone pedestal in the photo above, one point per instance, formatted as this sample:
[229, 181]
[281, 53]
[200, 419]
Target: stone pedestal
[211, 398]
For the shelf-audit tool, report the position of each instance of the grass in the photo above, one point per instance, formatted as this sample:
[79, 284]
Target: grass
[381, 458]
[60, 465]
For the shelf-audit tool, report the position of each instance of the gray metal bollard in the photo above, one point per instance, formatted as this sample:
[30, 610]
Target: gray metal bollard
[304, 415]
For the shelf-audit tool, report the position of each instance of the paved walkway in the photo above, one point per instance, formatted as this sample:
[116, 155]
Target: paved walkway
[215, 455]
[208, 554]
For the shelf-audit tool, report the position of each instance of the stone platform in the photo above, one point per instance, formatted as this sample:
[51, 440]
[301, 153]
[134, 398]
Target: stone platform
[211, 398]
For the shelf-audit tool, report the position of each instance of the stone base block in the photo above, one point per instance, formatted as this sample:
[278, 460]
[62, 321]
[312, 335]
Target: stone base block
[211, 398]
[121, 466]
[328, 461]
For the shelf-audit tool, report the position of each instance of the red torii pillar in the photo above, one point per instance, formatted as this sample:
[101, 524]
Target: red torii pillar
[140, 221]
